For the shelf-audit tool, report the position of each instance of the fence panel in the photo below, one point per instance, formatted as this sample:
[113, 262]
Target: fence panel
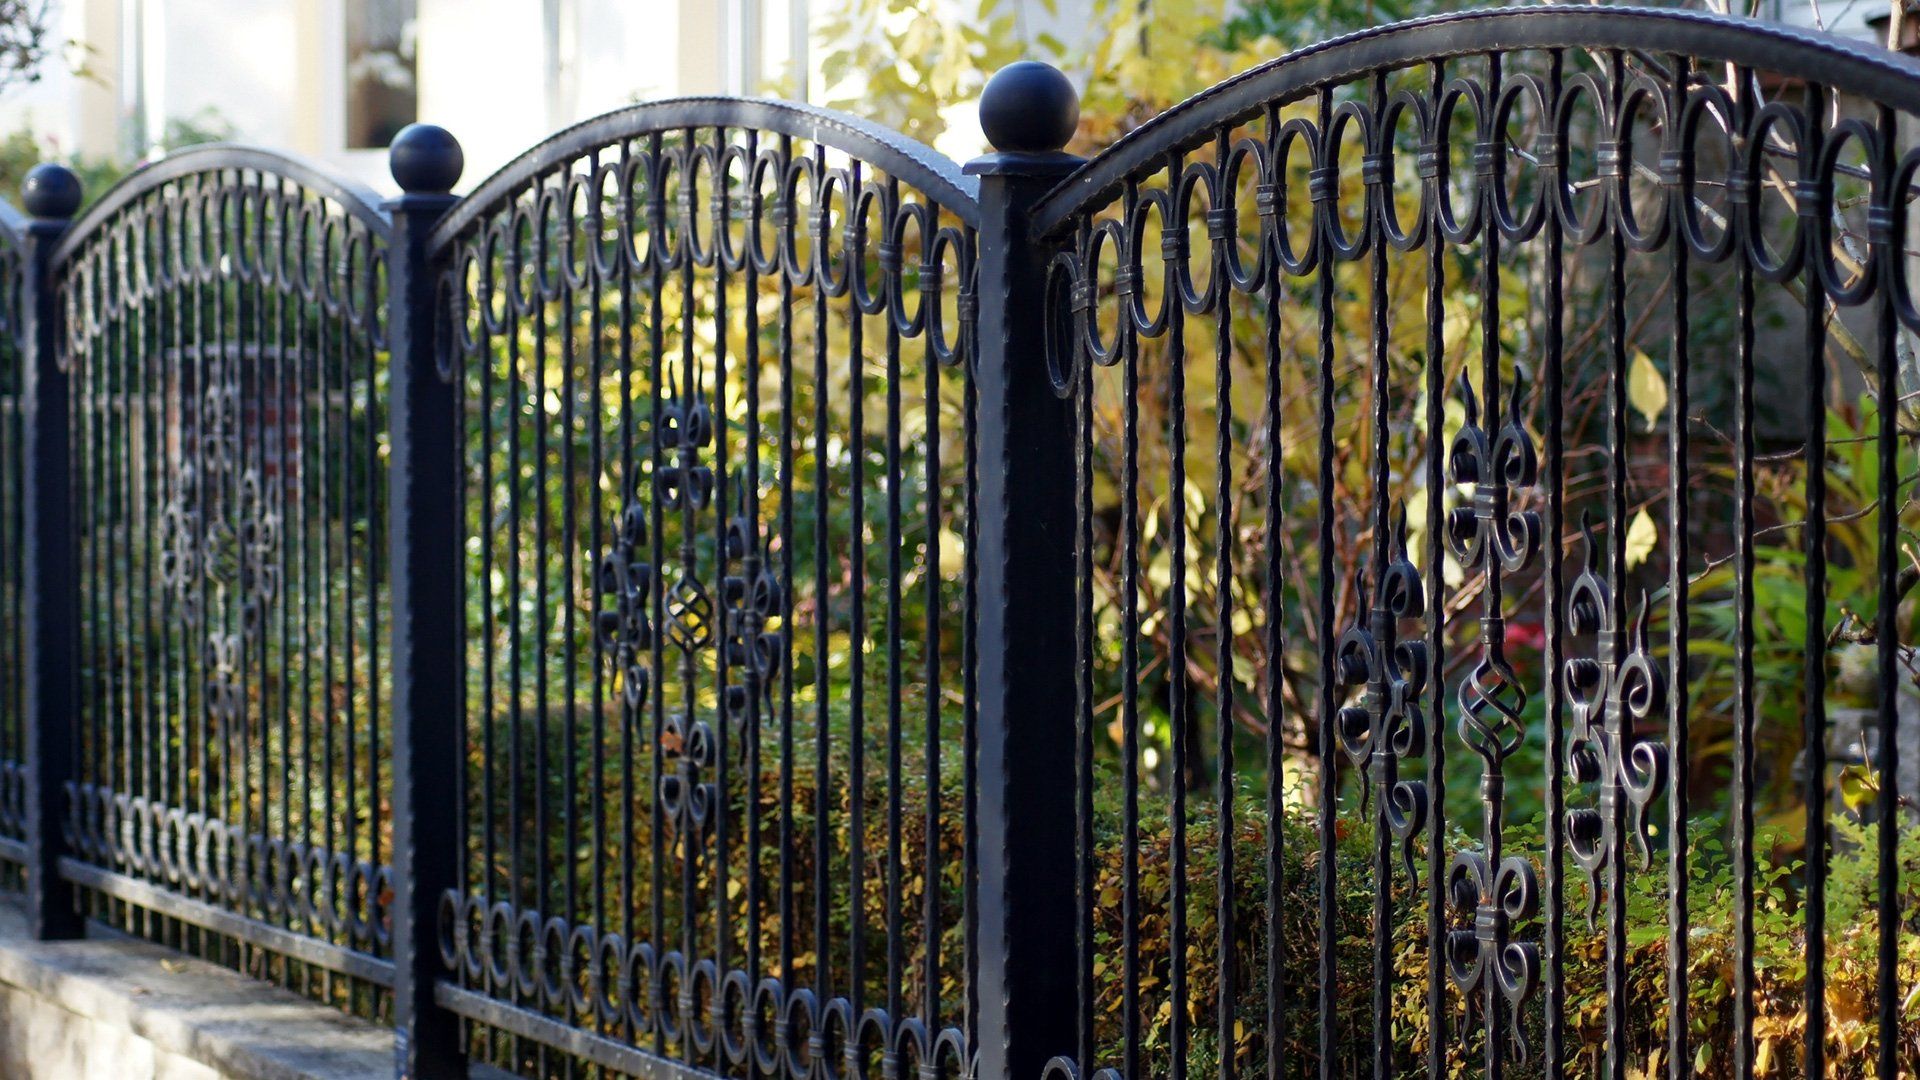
[713, 359]
[1398, 566]
[223, 315]
[1490, 524]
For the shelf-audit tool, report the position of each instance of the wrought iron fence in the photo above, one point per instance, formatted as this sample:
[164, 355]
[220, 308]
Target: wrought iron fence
[1327, 585]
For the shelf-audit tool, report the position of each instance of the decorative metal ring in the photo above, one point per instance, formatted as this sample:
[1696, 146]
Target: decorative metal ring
[833, 271]
[1197, 177]
[767, 1023]
[1064, 324]
[1457, 94]
[874, 197]
[1520, 229]
[1350, 114]
[1773, 118]
[699, 163]
[733, 1016]
[729, 191]
[450, 919]
[1132, 276]
[553, 962]
[640, 990]
[1640, 93]
[1245, 154]
[796, 171]
[1296, 262]
[1707, 102]
[800, 1021]
[1580, 229]
[764, 180]
[1843, 292]
[611, 988]
[639, 178]
[950, 242]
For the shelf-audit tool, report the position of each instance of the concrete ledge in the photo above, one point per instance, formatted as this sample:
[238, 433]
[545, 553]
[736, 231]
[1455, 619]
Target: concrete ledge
[122, 1008]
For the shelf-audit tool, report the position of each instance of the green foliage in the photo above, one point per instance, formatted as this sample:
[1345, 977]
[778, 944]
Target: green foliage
[21, 150]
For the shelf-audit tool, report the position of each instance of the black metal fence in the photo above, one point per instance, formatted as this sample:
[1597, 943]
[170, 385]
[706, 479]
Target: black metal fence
[1397, 566]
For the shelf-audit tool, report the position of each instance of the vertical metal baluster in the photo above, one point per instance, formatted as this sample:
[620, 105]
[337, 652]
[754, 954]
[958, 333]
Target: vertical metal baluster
[312, 397]
[153, 513]
[1811, 204]
[784, 222]
[1382, 620]
[545, 874]
[1127, 282]
[209, 619]
[855, 269]
[1742, 190]
[286, 383]
[658, 257]
[890, 268]
[485, 513]
[120, 562]
[1887, 618]
[722, 500]
[931, 869]
[823, 595]
[968, 307]
[519, 893]
[1674, 159]
[350, 493]
[1329, 762]
[690, 399]
[598, 746]
[1222, 235]
[1173, 240]
[629, 489]
[1553, 181]
[570, 578]
[1614, 636]
[756, 554]
[1272, 294]
[1086, 855]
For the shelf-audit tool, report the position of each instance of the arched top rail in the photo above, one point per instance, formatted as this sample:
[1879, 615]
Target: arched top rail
[1846, 66]
[911, 162]
[357, 200]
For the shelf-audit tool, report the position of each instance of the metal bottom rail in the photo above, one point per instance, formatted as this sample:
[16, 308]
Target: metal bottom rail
[547, 1031]
[12, 850]
[294, 946]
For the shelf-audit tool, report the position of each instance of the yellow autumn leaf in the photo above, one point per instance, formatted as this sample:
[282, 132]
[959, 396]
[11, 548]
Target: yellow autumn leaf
[1646, 388]
[1642, 535]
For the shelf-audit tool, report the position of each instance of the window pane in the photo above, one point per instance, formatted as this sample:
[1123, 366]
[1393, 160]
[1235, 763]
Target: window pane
[382, 94]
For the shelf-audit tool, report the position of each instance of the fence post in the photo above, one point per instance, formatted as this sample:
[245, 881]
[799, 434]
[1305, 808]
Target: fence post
[51, 194]
[1025, 618]
[426, 564]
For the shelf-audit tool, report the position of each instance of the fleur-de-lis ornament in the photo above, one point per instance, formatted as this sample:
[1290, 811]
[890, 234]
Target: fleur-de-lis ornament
[1610, 697]
[685, 484]
[1388, 725]
[1498, 900]
[625, 623]
[753, 598]
[1494, 466]
[1489, 535]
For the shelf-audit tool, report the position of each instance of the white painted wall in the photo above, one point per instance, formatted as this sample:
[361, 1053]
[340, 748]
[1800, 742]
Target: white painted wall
[273, 68]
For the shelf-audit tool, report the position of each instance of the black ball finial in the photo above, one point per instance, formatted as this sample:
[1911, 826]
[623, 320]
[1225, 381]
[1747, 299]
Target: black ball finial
[1029, 108]
[425, 159]
[50, 191]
